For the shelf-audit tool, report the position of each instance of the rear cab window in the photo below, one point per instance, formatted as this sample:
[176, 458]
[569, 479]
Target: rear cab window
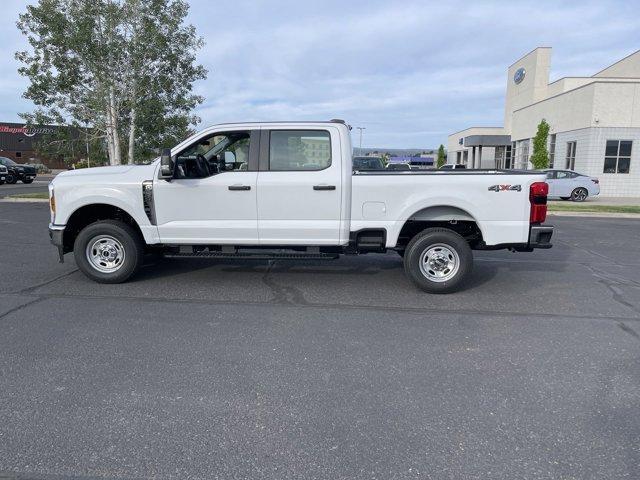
[299, 150]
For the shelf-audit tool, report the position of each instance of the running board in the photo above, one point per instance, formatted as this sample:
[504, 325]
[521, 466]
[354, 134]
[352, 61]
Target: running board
[253, 256]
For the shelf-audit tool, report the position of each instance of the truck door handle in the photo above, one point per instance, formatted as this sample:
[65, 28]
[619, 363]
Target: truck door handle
[240, 187]
[324, 187]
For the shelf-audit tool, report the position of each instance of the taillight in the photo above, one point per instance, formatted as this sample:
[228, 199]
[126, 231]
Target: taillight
[538, 197]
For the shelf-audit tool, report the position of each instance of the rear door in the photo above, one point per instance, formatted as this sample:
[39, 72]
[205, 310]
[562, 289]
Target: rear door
[299, 186]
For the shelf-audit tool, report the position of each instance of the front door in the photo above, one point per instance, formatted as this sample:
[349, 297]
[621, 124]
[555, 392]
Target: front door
[300, 187]
[550, 180]
[212, 197]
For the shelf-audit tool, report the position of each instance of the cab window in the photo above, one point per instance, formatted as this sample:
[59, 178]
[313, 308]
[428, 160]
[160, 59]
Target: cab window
[293, 150]
[218, 153]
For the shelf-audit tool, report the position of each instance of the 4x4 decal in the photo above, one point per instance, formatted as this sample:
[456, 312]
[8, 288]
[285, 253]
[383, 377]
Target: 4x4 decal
[505, 188]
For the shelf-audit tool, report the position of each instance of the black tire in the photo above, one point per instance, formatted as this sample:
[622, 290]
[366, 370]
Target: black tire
[579, 194]
[565, 198]
[27, 181]
[131, 246]
[11, 179]
[447, 247]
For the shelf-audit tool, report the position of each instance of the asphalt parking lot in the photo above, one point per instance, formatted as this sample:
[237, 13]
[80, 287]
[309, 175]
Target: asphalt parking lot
[218, 369]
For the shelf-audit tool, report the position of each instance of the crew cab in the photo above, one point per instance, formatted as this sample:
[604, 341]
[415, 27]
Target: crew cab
[288, 191]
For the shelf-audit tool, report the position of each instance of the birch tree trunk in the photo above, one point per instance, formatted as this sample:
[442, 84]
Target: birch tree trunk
[113, 113]
[132, 135]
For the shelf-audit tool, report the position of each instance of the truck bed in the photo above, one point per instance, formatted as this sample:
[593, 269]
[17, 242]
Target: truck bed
[496, 200]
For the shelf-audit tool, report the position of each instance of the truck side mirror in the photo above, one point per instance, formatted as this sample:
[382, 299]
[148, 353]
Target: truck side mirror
[167, 165]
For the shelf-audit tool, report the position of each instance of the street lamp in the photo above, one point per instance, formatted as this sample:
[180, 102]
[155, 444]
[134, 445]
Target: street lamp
[361, 129]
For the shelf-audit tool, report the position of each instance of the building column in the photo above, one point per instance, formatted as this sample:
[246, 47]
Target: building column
[473, 157]
[480, 156]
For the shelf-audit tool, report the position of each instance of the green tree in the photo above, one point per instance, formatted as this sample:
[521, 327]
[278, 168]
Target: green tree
[73, 146]
[540, 156]
[442, 157]
[127, 67]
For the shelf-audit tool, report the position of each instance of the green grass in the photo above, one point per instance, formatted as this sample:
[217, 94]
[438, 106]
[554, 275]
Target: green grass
[589, 207]
[42, 195]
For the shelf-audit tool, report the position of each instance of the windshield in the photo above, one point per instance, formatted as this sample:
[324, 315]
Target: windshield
[7, 161]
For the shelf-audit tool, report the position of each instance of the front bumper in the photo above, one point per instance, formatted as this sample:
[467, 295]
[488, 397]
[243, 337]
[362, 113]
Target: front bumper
[56, 234]
[540, 236]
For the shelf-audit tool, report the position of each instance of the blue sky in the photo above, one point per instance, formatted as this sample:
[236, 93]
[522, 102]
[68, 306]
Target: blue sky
[411, 72]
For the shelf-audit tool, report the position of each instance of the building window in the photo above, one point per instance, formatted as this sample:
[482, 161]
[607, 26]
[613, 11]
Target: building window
[552, 149]
[521, 156]
[18, 154]
[571, 155]
[617, 156]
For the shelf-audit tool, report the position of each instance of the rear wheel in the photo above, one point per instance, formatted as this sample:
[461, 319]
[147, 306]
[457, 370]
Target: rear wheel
[27, 181]
[438, 260]
[579, 194]
[109, 251]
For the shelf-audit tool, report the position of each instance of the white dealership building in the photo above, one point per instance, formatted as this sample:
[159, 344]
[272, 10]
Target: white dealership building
[594, 123]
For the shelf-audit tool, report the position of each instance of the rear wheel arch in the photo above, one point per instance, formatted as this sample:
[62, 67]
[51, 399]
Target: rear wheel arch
[449, 217]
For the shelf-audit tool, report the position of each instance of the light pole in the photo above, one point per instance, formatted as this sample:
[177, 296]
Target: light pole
[361, 129]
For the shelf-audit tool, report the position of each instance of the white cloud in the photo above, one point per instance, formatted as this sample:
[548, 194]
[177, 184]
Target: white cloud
[410, 71]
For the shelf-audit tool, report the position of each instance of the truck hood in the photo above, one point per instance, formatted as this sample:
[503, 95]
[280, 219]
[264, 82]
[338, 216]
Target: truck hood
[114, 170]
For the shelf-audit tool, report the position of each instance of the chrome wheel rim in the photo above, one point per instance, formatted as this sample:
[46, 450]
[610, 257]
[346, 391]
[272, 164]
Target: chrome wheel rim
[439, 262]
[580, 194]
[105, 253]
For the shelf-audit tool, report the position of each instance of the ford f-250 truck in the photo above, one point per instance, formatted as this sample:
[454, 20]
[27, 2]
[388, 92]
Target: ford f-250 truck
[287, 191]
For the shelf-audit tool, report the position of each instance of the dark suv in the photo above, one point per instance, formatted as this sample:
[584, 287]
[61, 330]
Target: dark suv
[17, 171]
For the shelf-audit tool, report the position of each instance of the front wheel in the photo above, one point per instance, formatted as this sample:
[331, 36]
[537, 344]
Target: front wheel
[438, 260]
[11, 179]
[109, 251]
[579, 194]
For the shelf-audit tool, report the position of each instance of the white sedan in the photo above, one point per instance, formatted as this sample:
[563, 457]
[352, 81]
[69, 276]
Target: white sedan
[568, 184]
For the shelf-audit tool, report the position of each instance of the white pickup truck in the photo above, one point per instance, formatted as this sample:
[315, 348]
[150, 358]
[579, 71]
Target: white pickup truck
[287, 190]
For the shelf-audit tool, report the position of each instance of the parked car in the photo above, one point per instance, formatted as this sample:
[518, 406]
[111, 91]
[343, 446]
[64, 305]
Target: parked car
[570, 185]
[398, 166]
[3, 174]
[452, 166]
[279, 207]
[362, 164]
[17, 171]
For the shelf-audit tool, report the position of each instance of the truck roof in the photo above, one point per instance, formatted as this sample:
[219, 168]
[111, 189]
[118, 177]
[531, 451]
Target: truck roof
[335, 121]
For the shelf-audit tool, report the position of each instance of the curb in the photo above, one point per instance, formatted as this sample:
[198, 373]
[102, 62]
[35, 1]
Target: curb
[24, 200]
[595, 214]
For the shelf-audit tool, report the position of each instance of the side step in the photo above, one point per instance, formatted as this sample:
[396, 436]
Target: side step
[253, 255]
